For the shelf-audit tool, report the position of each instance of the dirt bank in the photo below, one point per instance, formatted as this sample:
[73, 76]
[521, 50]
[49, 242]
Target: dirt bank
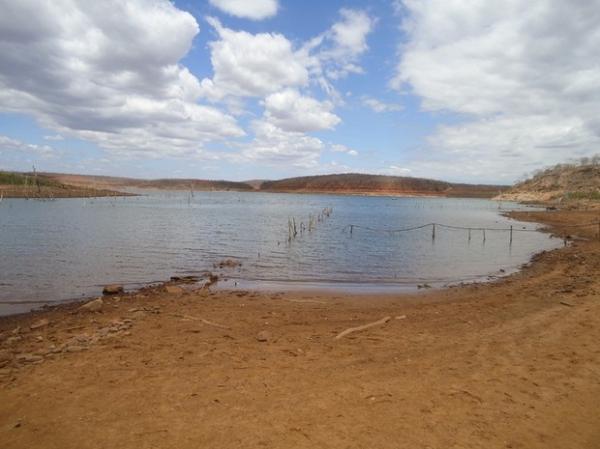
[513, 364]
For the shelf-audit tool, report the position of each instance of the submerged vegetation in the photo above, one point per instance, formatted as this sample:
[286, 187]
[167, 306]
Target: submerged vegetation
[311, 224]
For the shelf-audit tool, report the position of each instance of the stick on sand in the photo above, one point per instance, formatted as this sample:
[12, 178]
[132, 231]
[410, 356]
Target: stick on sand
[193, 318]
[362, 328]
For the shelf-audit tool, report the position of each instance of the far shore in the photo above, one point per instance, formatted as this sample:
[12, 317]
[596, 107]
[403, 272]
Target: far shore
[77, 192]
[507, 364]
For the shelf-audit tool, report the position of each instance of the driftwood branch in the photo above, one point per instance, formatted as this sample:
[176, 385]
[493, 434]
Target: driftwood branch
[306, 301]
[202, 320]
[362, 328]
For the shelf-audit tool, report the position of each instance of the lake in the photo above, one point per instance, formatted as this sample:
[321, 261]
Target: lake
[69, 248]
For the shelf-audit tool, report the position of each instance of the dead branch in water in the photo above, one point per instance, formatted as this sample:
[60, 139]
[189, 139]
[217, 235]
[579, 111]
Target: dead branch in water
[362, 328]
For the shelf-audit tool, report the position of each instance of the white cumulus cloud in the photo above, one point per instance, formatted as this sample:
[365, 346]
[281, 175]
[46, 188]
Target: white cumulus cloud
[338, 49]
[291, 111]
[379, 106]
[248, 9]
[15, 146]
[338, 148]
[524, 77]
[274, 146]
[107, 72]
[252, 65]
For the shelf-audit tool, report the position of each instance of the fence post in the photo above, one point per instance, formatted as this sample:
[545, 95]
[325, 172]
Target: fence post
[511, 229]
[484, 236]
[351, 229]
[433, 232]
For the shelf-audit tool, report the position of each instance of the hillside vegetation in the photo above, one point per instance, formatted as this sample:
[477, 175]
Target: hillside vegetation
[563, 182]
[354, 183]
[32, 185]
[112, 182]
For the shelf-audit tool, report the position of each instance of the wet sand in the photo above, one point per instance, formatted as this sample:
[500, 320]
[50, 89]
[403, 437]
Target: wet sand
[509, 364]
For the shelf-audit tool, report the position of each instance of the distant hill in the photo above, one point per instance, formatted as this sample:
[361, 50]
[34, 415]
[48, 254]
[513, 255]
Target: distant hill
[355, 183]
[578, 181]
[110, 182]
[351, 183]
[255, 183]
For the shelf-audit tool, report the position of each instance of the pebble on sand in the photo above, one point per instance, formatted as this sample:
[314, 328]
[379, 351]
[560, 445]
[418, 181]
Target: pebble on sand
[39, 324]
[174, 290]
[29, 358]
[113, 289]
[263, 336]
[93, 306]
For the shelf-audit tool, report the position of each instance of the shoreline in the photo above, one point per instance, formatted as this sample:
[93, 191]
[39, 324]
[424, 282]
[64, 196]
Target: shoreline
[511, 363]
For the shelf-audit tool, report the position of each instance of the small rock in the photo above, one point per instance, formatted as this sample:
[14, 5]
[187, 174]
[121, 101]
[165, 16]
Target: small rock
[93, 306]
[174, 290]
[39, 324]
[212, 279]
[74, 348]
[189, 279]
[5, 356]
[229, 263]
[29, 358]
[113, 289]
[14, 339]
[401, 317]
[103, 331]
[263, 336]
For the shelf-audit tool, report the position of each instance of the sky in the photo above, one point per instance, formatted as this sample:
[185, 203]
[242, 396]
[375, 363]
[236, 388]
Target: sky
[481, 91]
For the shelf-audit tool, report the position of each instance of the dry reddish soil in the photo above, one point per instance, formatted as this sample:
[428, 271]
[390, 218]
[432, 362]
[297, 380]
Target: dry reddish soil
[510, 364]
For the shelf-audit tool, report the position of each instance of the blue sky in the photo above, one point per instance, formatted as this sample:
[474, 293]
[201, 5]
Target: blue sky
[246, 89]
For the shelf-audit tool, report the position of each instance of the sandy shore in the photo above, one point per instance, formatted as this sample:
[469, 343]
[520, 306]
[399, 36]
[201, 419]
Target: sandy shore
[511, 364]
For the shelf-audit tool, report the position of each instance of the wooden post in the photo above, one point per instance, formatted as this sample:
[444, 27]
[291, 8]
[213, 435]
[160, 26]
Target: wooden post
[351, 229]
[469, 234]
[484, 236]
[433, 232]
[511, 230]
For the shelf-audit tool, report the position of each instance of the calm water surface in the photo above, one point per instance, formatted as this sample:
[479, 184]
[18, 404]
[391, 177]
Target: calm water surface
[68, 248]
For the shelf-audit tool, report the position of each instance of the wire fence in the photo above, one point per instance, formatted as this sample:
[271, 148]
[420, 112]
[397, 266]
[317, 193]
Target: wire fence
[512, 229]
